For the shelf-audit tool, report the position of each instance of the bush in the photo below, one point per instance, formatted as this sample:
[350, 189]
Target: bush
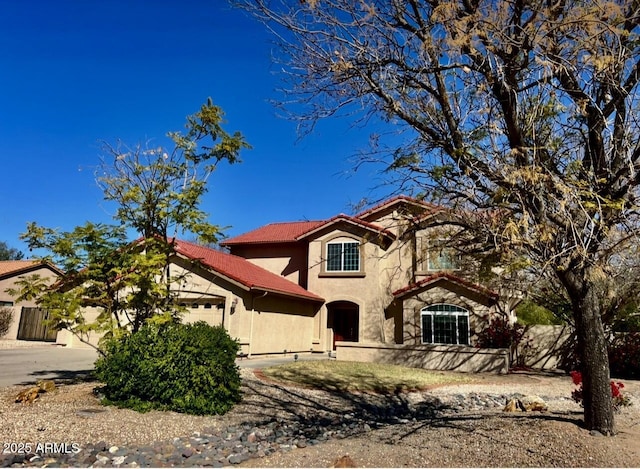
[6, 318]
[186, 368]
[618, 399]
[530, 314]
[500, 333]
[624, 356]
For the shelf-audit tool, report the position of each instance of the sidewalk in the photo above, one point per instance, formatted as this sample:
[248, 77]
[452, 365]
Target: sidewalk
[13, 344]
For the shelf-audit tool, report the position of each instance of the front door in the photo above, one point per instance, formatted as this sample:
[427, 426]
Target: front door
[344, 321]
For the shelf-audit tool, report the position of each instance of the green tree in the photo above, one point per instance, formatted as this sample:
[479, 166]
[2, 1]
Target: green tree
[524, 112]
[158, 193]
[9, 254]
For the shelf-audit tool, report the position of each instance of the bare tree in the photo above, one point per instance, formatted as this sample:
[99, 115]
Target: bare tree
[524, 109]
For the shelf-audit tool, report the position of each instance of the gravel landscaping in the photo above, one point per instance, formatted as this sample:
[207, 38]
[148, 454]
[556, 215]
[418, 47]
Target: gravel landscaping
[284, 426]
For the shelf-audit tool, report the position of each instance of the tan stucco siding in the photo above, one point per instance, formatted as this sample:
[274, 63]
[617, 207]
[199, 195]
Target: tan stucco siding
[274, 332]
[287, 260]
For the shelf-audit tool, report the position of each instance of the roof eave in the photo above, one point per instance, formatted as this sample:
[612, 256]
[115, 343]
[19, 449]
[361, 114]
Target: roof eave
[479, 290]
[316, 299]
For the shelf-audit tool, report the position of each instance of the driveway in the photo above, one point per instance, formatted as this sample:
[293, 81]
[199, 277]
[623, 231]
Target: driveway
[26, 365]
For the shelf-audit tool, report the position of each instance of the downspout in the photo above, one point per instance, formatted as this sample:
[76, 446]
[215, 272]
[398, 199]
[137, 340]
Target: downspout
[253, 309]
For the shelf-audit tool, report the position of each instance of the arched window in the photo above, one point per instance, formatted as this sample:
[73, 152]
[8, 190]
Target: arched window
[445, 324]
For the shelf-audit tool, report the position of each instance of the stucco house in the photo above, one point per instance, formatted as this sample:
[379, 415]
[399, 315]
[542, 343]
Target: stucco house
[372, 287]
[27, 323]
[389, 292]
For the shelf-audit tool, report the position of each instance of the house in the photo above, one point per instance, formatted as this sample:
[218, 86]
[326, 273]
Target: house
[376, 286]
[391, 291]
[27, 323]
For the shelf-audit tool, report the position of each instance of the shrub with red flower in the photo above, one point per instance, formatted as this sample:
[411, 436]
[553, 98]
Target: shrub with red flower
[617, 398]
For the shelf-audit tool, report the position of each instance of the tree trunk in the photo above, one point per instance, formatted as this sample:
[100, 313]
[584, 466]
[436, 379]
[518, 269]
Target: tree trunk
[592, 349]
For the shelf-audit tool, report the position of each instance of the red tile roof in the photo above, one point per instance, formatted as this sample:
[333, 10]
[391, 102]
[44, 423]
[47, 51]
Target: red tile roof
[405, 291]
[243, 272]
[352, 220]
[275, 233]
[394, 201]
[289, 232]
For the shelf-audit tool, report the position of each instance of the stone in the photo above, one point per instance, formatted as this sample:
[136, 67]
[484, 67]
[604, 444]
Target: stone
[344, 461]
[28, 395]
[526, 404]
[534, 404]
[187, 452]
[46, 385]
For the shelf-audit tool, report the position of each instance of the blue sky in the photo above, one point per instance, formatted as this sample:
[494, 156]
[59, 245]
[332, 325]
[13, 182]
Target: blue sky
[77, 72]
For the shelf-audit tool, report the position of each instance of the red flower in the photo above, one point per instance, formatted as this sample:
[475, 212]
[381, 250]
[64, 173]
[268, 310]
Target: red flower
[576, 376]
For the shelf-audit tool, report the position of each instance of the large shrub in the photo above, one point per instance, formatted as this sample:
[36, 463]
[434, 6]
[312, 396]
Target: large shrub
[500, 333]
[624, 355]
[6, 318]
[186, 368]
[529, 314]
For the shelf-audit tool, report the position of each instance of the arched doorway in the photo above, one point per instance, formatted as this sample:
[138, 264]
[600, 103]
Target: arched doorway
[344, 319]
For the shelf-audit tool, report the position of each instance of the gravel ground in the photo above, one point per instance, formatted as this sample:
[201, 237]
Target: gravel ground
[278, 426]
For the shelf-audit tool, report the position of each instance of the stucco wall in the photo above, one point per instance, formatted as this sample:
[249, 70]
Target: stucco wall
[541, 346]
[288, 260]
[430, 357]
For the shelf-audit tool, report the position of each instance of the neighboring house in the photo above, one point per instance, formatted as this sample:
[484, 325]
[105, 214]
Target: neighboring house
[28, 320]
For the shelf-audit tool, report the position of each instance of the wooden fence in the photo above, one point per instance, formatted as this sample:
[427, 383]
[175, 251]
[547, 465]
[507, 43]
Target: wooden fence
[32, 325]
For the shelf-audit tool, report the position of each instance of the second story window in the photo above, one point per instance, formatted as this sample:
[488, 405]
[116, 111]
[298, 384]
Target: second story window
[343, 257]
[442, 259]
[433, 255]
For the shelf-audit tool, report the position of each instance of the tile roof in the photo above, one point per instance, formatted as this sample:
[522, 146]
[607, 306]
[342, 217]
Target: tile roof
[394, 201]
[449, 277]
[16, 267]
[241, 271]
[287, 232]
[352, 220]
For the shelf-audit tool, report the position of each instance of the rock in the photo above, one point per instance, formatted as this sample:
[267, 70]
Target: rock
[526, 404]
[534, 404]
[344, 461]
[46, 385]
[28, 395]
[187, 452]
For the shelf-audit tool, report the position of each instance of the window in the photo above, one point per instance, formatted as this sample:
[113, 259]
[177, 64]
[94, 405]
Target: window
[343, 257]
[432, 255]
[442, 259]
[445, 324]
[6, 303]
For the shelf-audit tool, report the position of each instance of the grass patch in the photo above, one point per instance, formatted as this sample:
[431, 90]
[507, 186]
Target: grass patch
[360, 377]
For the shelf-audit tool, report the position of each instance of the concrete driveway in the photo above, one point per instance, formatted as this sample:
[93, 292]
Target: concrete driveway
[26, 365]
